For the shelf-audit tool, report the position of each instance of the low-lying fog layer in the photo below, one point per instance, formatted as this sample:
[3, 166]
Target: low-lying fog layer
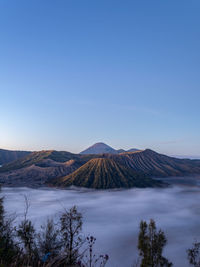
[113, 216]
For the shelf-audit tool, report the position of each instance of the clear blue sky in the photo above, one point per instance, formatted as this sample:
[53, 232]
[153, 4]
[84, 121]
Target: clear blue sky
[75, 72]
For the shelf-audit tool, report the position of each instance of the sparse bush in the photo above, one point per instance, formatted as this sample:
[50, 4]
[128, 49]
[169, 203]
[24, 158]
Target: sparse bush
[90, 259]
[71, 226]
[56, 245]
[150, 244]
[8, 248]
[194, 254]
[49, 242]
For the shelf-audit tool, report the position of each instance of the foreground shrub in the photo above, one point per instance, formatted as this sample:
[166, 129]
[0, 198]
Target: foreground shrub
[194, 254]
[55, 245]
[150, 245]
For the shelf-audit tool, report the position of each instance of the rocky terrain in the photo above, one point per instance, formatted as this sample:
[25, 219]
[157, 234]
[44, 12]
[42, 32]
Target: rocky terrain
[105, 173]
[105, 170]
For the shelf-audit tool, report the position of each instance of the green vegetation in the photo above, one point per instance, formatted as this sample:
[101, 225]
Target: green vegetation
[150, 244]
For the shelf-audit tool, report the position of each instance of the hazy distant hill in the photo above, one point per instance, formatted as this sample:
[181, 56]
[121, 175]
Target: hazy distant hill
[102, 148]
[104, 173]
[38, 157]
[38, 167]
[132, 150]
[120, 151]
[38, 174]
[11, 155]
[99, 148]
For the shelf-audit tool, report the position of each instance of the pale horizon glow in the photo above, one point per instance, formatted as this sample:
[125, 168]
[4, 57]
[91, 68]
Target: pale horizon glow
[76, 73]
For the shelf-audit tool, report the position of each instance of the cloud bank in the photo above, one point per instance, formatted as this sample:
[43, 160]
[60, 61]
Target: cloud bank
[113, 217]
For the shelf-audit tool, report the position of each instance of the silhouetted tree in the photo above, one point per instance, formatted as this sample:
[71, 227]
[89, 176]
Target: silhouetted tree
[194, 254]
[71, 226]
[58, 244]
[8, 248]
[90, 259]
[26, 234]
[150, 244]
[49, 242]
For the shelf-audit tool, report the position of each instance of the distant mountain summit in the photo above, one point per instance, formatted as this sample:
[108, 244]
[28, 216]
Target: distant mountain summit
[102, 148]
[99, 148]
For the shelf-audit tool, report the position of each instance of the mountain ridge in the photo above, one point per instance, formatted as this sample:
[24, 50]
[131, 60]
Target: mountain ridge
[105, 173]
[38, 156]
[7, 156]
[99, 148]
[52, 165]
[102, 148]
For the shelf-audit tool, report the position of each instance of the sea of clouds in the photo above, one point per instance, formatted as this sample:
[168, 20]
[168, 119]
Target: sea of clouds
[113, 217]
